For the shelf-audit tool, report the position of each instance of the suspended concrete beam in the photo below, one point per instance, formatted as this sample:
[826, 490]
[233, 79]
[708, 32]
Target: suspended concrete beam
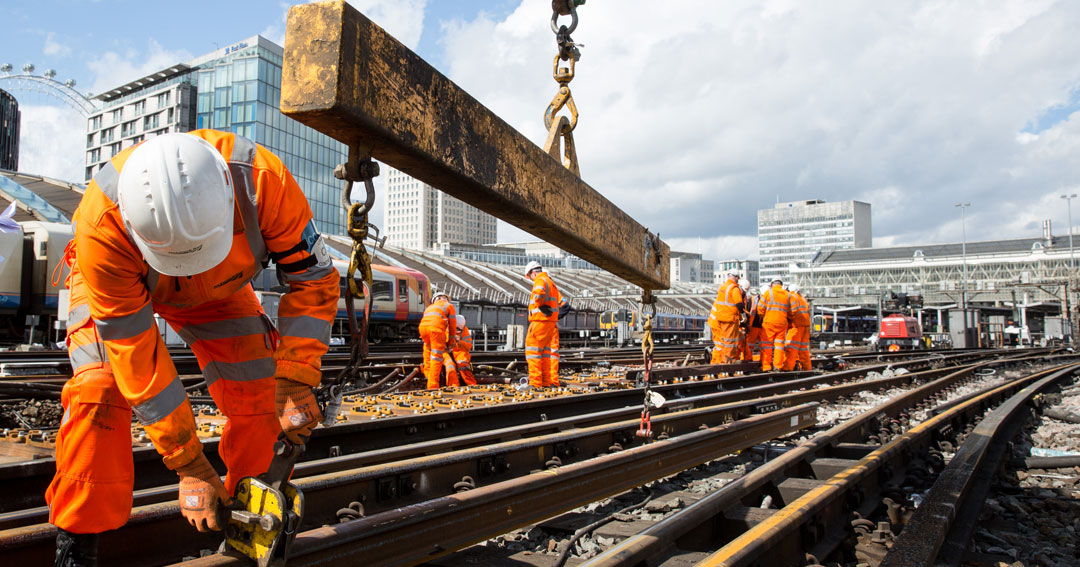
[346, 77]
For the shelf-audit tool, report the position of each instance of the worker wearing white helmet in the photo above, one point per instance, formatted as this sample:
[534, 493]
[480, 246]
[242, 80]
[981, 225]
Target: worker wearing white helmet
[458, 360]
[775, 308]
[752, 346]
[438, 330]
[724, 320]
[176, 227]
[797, 349]
[542, 340]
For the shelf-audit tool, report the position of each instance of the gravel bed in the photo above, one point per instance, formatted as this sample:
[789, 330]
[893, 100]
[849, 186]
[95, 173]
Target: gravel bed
[31, 414]
[1032, 516]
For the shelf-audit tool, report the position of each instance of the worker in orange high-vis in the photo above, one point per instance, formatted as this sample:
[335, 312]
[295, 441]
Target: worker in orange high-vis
[458, 360]
[438, 330]
[178, 226]
[724, 320]
[542, 340]
[797, 349]
[775, 309]
[752, 350]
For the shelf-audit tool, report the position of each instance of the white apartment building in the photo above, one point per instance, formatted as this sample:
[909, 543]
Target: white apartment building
[419, 217]
[747, 269]
[690, 267]
[793, 233]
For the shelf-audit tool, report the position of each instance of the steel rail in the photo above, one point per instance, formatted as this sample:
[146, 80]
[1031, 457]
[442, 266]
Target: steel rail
[819, 455]
[414, 534]
[940, 530]
[26, 481]
[766, 536]
[734, 404]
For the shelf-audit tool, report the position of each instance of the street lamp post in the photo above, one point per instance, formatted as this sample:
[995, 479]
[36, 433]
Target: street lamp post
[1072, 259]
[963, 251]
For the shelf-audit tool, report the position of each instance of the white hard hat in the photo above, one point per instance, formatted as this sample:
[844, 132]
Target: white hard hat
[744, 284]
[436, 293]
[534, 265]
[793, 287]
[755, 291]
[176, 199]
[460, 321]
[734, 274]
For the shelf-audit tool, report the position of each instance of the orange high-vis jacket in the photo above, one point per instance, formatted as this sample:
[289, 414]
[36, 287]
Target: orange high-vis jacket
[728, 304]
[800, 311]
[775, 306]
[544, 292]
[272, 221]
[441, 316]
[465, 341]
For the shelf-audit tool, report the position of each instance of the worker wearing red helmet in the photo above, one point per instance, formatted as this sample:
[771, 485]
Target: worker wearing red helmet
[438, 330]
[542, 340]
[177, 226]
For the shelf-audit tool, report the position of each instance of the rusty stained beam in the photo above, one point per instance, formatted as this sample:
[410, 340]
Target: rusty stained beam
[346, 77]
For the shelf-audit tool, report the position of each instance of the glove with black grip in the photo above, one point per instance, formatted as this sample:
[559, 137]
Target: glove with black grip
[547, 311]
[564, 309]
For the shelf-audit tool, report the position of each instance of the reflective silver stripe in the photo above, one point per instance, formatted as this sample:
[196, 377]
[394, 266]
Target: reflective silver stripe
[67, 415]
[239, 371]
[534, 311]
[224, 329]
[78, 316]
[531, 356]
[437, 351]
[305, 327]
[92, 353]
[117, 328]
[532, 349]
[311, 274]
[162, 404]
[106, 180]
[243, 176]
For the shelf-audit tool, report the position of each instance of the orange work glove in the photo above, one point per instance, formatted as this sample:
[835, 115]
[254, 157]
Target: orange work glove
[200, 491]
[297, 410]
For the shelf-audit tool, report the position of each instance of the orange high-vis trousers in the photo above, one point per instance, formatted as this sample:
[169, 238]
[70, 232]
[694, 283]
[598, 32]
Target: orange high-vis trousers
[233, 343]
[798, 350]
[458, 366]
[772, 345]
[434, 349]
[752, 350]
[542, 352]
[725, 336]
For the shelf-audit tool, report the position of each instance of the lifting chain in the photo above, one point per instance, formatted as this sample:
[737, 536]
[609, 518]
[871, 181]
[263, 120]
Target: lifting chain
[645, 428]
[561, 129]
[360, 167]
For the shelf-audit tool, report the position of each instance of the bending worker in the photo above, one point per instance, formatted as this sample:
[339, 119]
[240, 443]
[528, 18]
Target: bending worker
[724, 320]
[542, 340]
[798, 335]
[438, 330]
[776, 311]
[178, 226]
[752, 351]
[458, 360]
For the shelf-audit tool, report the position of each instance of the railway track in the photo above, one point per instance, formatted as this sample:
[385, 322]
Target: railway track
[411, 467]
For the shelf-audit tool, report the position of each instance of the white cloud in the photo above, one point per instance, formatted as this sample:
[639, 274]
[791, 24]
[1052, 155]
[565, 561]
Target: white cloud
[717, 248]
[54, 47]
[403, 19]
[693, 122]
[51, 141]
[113, 69]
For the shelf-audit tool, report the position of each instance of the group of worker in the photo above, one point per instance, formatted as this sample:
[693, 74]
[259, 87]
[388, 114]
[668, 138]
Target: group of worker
[448, 341]
[771, 325]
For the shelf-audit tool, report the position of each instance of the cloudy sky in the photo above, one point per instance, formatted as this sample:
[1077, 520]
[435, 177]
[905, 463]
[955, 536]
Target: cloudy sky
[694, 114]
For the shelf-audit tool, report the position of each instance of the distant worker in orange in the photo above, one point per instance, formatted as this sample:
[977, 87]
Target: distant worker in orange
[798, 334]
[438, 330]
[724, 320]
[177, 226]
[458, 360]
[542, 340]
[744, 319]
[775, 308]
[752, 351]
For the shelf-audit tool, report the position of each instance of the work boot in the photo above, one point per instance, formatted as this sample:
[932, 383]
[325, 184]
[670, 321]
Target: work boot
[76, 550]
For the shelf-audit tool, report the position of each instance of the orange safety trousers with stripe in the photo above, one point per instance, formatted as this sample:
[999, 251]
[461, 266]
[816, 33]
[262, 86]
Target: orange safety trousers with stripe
[434, 352]
[725, 336]
[542, 353]
[752, 348]
[773, 338]
[91, 491]
[797, 348]
[458, 361]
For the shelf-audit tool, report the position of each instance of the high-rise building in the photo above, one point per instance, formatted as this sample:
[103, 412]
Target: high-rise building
[796, 232]
[9, 132]
[420, 217]
[690, 267]
[746, 268]
[235, 89]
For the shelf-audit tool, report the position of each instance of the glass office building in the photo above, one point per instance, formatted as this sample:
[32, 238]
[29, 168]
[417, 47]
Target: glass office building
[9, 132]
[235, 89]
